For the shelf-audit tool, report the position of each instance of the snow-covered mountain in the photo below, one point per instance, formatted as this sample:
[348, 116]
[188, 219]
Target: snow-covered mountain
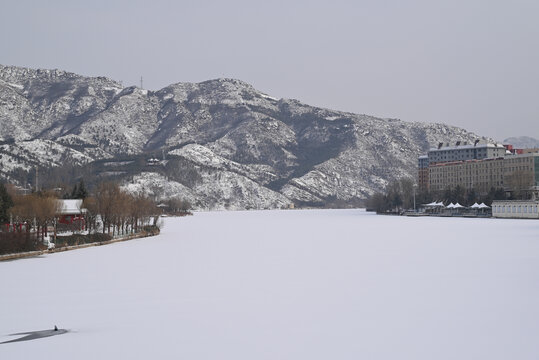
[522, 142]
[226, 144]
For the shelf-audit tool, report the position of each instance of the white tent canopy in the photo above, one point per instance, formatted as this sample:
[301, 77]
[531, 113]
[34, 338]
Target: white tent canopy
[484, 206]
[435, 204]
[475, 206]
[458, 206]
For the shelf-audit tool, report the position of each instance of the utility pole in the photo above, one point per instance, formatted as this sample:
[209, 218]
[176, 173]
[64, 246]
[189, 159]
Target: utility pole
[414, 199]
[141, 83]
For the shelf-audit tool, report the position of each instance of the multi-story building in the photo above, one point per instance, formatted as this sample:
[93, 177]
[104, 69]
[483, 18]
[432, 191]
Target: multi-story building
[521, 172]
[479, 167]
[423, 172]
[479, 175]
[465, 151]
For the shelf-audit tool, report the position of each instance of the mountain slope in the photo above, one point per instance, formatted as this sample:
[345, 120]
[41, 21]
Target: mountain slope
[226, 144]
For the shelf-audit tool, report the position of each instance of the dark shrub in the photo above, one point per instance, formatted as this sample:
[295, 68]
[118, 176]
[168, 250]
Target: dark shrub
[78, 239]
[14, 242]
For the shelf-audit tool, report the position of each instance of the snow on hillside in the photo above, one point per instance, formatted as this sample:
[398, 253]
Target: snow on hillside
[86, 147]
[225, 190]
[202, 155]
[290, 150]
[158, 187]
[26, 154]
[125, 125]
[216, 190]
[223, 91]
[285, 285]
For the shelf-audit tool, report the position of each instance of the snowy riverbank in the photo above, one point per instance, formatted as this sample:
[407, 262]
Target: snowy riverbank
[22, 255]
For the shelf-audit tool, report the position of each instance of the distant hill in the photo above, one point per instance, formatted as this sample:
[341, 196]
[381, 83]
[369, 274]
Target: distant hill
[221, 144]
[522, 142]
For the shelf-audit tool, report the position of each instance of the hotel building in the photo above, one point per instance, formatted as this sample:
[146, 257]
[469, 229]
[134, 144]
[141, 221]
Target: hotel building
[479, 167]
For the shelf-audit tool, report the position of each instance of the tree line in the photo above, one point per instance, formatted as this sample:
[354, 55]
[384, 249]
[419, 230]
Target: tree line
[118, 211]
[400, 195]
[109, 210]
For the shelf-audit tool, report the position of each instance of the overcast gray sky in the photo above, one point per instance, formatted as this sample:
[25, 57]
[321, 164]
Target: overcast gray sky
[472, 63]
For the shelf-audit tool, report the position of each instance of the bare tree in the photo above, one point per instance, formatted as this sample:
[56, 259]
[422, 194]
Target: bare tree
[106, 201]
[90, 204]
[38, 208]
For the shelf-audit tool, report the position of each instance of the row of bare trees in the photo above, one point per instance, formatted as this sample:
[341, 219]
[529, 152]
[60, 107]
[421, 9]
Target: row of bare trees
[27, 219]
[37, 210]
[119, 212]
[110, 210]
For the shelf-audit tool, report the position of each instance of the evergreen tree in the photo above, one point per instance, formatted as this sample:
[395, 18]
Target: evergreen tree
[499, 194]
[79, 191]
[82, 193]
[448, 195]
[5, 203]
[471, 197]
[74, 192]
[458, 194]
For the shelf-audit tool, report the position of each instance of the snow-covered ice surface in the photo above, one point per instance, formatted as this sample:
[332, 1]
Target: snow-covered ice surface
[318, 284]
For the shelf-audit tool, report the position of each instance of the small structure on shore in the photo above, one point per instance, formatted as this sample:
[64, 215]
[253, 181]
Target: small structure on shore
[434, 207]
[71, 213]
[517, 209]
[437, 208]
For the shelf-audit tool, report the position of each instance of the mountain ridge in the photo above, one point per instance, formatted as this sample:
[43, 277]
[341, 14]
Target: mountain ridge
[274, 151]
[523, 142]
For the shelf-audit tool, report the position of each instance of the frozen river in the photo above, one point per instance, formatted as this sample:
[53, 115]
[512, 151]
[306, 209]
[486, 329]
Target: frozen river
[318, 284]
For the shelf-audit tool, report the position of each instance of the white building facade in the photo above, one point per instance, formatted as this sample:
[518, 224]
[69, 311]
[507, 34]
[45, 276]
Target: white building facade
[516, 209]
